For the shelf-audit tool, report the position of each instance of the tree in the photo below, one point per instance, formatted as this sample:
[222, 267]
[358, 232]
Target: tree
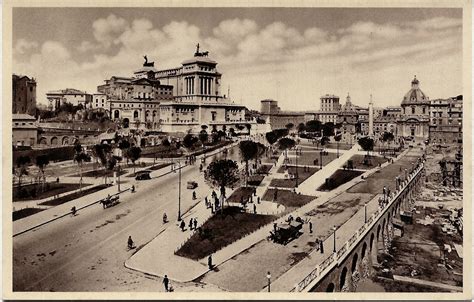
[289, 126]
[337, 138]
[328, 129]
[203, 127]
[189, 140]
[41, 162]
[313, 126]
[301, 127]
[367, 144]
[271, 137]
[232, 132]
[22, 165]
[203, 136]
[134, 153]
[103, 152]
[239, 127]
[222, 174]
[80, 157]
[284, 144]
[248, 151]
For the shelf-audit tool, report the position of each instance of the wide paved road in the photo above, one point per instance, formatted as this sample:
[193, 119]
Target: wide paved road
[87, 252]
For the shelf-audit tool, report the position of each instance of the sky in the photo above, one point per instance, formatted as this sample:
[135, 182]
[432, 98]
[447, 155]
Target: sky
[291, 55]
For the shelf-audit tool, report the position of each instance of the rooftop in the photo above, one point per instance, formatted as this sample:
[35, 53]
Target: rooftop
[22, 116]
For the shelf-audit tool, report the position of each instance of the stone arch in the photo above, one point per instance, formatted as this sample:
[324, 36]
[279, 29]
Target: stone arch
[342, 278]
[364, 250]
[43, 141]
[372, 237]
[147, 115]
[54, 140]
[65, 140]
[331, 287]
[155, 115]
[355, 258]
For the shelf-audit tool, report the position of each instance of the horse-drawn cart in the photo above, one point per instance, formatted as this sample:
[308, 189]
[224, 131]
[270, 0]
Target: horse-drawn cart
[285, 232]
[110, 201]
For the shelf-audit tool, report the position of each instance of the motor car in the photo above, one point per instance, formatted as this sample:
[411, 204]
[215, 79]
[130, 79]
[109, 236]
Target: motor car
[192, 185]
[143, 175]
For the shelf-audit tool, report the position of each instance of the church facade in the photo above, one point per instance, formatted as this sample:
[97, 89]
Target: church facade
[414, 118]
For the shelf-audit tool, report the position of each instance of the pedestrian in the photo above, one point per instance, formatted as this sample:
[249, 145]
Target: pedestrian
[254, 209]
[206, 202]
[194, 195]
[182, 225]
[310, 227]
[166, 281]
[258, 199]
[274, 227]
[321, 246]
[130, 242]
[195, 223]
[191, 224]
[209, 262]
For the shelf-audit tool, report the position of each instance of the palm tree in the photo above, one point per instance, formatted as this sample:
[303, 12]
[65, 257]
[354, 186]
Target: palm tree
[41, 162]
[248, 151]
[80, 157]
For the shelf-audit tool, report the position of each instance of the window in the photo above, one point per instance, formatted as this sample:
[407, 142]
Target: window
[424, 110]
[413, 110]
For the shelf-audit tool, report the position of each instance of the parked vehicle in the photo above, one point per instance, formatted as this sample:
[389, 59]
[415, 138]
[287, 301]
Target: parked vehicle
[110, 201]
[143, 175]
[192, 185]
[285, 232]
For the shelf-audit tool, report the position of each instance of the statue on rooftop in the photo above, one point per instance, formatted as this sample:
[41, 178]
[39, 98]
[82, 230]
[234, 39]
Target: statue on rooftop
[148, 64]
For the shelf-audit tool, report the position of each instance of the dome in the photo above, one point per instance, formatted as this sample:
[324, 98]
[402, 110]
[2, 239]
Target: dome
[415, 95]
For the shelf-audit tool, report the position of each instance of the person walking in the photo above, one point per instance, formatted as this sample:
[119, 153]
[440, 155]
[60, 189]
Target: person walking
[258, 199]
[254, 209]
[195, 223]
[166, 281]
[191, 224]
[321, 246]
[130, 243]
[182, 225]
[209, 262]
[310, 227]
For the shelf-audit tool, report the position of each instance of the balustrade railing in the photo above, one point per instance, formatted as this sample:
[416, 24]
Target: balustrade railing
[318, 271]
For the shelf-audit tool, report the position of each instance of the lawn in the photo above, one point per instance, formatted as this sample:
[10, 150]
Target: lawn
[308, 158]
[288, 198]
[264, 168]
[255, 180]
[25, 213]
[221, 230]
[73, 196]
[385, 177]
[244, 192]
[33, 191]
[291, 183]
[100, 173]
[338, 178]
[374, 161]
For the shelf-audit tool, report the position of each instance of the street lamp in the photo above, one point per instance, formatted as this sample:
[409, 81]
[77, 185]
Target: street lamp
[334, 228]
[179, 191]
[320, 159]
[365, 212]
[296, 167]
[269, 280]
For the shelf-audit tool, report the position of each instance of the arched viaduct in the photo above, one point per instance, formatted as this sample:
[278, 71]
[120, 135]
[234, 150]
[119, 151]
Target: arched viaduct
[342, 270]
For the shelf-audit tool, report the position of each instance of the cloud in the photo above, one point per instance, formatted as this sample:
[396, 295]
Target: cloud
[275, 60]
[106, 30]
[23, 46]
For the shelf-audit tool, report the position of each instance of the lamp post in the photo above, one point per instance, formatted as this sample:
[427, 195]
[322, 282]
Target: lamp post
[179, 191]
[365, 212]
[334, 249]
[269, 280]
[320, 159]
[296, 167]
